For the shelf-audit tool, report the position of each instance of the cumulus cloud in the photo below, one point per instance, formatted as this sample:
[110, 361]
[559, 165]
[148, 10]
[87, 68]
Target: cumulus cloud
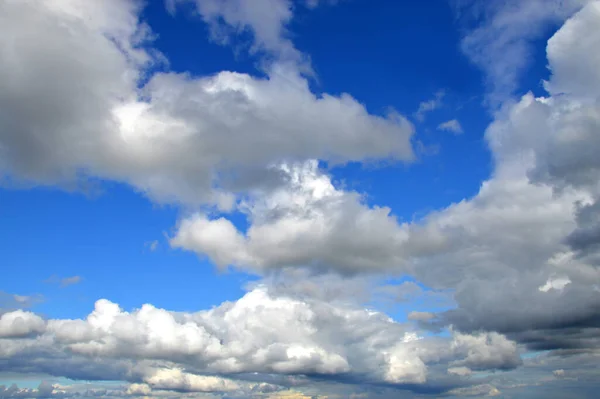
[170, 138]
[520, 240]
[308, 222]
[18, 323]
[526, 238]
[259, 335]
[520, 258]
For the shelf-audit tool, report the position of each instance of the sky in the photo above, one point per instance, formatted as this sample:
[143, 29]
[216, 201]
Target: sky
[301, 199]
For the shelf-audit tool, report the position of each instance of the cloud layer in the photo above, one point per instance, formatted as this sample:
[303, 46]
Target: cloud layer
[260, 334]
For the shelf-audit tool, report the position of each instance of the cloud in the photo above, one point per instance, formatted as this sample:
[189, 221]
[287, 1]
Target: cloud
[176, 380]
[260, 335]
[460, 371]
[307, 223]
[520, 258]
[559, 373]
[15, 301]
[266, 20]
[526, 236]
[421, 316]
[500, 44]
[477, 390]
[170, 138]
[18, 323]
[427, 106]
[451, 126]
[152, 245]
[64, 281]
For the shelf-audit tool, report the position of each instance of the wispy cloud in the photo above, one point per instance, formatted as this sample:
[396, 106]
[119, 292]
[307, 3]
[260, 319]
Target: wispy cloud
[430, 105]
[64, 281]
[15, 301]
[152, 245]
[452, 125]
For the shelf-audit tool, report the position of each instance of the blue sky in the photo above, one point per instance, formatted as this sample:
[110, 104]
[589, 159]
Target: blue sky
[317, 166]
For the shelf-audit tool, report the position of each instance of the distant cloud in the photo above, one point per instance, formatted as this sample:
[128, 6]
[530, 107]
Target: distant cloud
[70, 281]
[453, 126]
[64, 281]
[152, 245]
[420, 316]
[430, 105]
[14, 301]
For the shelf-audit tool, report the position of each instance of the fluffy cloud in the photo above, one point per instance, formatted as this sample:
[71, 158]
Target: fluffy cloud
[259, 335]
[520, 258]
[308, 222]
[527, 237]
[19, 323]
[86, 116]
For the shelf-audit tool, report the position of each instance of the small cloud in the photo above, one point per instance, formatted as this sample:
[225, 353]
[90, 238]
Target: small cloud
[420, 316]
[64, 281]
[451, 126]
[555, 283]
[559, 373]
[428, 106]
[460, 371]
[152, 245]
[476, 390]
[14, 301]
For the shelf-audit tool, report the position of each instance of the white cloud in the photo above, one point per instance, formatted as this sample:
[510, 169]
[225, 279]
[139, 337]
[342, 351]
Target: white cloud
[476, 390]
[527, 236]
[139, 389]
[535, 219]
[259, 335]
[176, 144]
[431, 105]
[555, 283]
[559, 373]
[501, 42]
[19, 323]
[310, 223]
[176, 380]
[452, 125]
